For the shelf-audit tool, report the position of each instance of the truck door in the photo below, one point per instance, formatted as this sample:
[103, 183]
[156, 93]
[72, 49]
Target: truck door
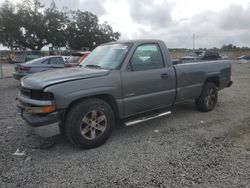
[146, 83]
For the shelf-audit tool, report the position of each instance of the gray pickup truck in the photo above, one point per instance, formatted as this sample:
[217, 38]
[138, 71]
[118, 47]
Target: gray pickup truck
[124, 81]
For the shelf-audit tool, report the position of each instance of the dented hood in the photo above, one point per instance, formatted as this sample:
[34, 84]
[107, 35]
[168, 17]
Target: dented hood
[41, 80]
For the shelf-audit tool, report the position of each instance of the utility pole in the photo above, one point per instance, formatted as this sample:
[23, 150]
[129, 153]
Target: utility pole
[193, 41]
[1, 70]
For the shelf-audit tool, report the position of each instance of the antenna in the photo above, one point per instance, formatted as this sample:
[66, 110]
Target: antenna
[193, 41]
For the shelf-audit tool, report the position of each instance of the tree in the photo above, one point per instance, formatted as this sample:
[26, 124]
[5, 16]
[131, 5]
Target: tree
[56, 22]
[32, 25]
[84, 30]
[228, 47]
[106, 34]
[9, 25]
[33, 30]
[41, 26]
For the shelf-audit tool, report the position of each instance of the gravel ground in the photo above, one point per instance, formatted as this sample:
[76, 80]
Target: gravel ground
[186, 149]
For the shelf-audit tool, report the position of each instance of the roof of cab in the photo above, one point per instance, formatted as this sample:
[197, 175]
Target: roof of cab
[135, 41]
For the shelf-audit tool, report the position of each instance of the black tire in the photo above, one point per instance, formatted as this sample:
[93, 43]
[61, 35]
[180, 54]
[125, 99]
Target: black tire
[83, 112]
[208, 98]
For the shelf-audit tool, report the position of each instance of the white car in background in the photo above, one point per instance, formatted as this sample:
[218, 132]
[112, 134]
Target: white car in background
[3, 58]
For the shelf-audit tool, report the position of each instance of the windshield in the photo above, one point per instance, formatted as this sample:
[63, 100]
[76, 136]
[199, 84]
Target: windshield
[37, 60]
[73, 59]
[108, 56]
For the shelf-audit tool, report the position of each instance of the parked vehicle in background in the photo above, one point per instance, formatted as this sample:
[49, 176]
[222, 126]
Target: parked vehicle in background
[38, 65]
[65, 58]
[76, 58]
[130, 81]
[202, 56]
[4, 55]
[3, 58]
[244, 59]
[24, 56]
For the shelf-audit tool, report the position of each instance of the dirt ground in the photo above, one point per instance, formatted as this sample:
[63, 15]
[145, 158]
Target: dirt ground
[186, 149]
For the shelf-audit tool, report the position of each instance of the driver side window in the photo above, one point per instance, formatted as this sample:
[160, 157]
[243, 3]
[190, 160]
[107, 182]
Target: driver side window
[146, 57]
[47, 62]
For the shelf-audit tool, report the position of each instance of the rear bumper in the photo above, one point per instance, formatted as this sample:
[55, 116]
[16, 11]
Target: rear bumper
[230, 83]
[18, 75]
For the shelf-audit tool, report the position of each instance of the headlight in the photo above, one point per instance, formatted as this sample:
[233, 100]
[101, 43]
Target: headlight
[40, 95]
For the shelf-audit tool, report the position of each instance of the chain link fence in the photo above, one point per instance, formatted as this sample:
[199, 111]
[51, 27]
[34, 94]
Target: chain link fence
[6, 70]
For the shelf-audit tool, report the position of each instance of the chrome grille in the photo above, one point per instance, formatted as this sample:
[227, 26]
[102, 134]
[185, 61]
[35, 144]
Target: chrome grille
[25, 92]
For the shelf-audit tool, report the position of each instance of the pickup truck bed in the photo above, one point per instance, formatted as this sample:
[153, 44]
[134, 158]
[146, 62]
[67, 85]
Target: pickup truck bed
[192, 76]
[117, 81]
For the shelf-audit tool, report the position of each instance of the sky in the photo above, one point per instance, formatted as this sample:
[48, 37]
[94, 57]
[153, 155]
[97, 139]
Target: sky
[211, 23]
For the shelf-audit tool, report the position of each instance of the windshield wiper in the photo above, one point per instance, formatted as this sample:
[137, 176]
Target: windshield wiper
[94, 66]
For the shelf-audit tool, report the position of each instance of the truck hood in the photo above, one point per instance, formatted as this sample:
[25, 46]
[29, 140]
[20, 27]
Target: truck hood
[40, 80]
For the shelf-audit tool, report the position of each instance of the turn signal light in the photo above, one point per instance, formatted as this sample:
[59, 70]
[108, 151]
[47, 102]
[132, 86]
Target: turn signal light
[48, 109]
[40, 110]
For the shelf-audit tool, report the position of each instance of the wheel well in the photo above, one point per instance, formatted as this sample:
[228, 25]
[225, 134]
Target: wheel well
[105, 97]
[111, 101]
[215, 80]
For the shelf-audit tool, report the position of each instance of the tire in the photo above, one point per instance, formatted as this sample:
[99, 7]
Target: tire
[208, 98]
[89, 123]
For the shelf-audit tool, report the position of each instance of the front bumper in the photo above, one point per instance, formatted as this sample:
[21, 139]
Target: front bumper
[43, 125]
[230, 83]
[36, 120]
[48, 130]
[18, 75]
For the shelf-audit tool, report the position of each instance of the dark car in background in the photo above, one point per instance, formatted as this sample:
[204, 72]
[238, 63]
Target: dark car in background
[244, 59]
[202, 56]
[38, 65]
[76, 58]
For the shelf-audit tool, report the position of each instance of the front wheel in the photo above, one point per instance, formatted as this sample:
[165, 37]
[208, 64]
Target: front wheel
[89, 123]
[208, 98]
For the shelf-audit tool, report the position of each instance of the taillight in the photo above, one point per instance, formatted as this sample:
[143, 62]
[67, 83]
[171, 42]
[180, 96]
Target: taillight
[83, 57]
[25, 68]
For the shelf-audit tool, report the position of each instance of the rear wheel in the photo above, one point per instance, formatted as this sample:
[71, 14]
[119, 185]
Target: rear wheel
[208, 98]
[89, 123]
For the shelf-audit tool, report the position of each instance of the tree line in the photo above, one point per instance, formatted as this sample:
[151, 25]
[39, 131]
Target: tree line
[32, 25]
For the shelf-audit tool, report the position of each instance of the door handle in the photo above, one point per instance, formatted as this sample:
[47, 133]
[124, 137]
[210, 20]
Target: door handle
[164, 75]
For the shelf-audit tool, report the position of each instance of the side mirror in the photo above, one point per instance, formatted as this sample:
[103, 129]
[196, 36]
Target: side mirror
[129, 67]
